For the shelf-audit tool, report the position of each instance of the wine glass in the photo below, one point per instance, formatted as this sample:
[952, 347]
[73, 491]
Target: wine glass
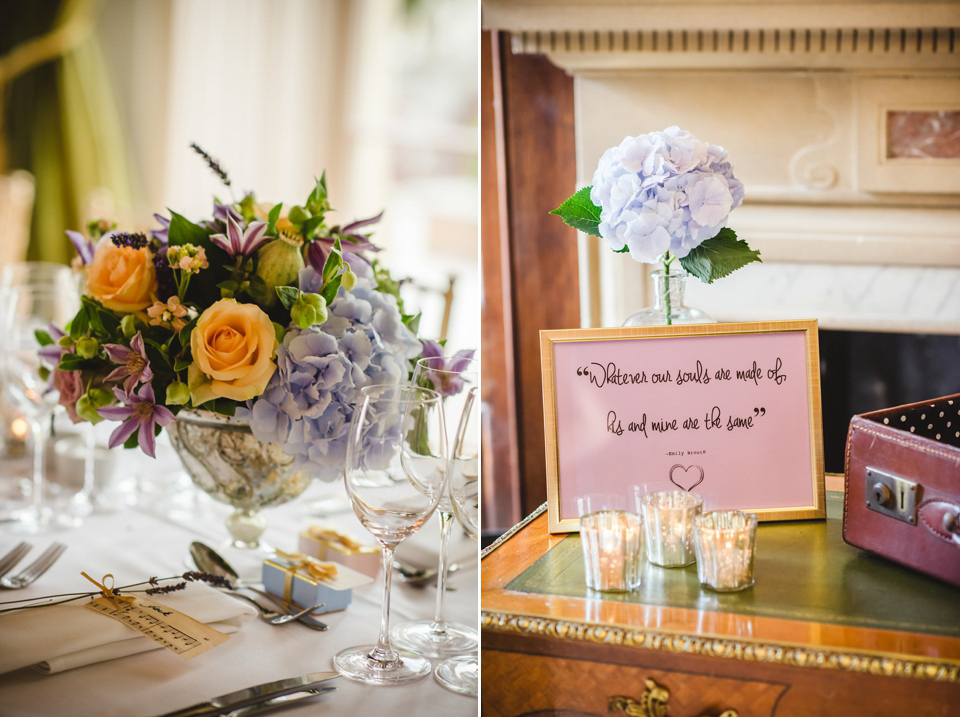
[460, 673]
[437, 637]
[29, 308]
[394, 474]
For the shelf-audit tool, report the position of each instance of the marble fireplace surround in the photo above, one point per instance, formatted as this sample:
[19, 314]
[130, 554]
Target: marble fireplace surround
[828, 111]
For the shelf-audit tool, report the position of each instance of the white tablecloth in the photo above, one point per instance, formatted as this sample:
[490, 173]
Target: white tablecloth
[136, 543]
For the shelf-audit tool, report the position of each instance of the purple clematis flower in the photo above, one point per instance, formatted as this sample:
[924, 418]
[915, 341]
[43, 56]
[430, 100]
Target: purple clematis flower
[141, 413]
[161, 234]
[239, 241]
[350, 243]
[52, 353]
[443, 373]
[85, 247]
[222, 211]
[134, 366]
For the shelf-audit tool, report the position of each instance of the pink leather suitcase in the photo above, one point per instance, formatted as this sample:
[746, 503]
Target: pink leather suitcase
[902, 485]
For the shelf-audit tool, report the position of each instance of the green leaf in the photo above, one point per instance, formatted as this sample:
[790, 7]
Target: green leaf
[331, 267]
[80, 324]
[181, 364]
[319, 192]
[184, 333]
[311, 224]
[288, 295]
[272, 218]
[412, 322]
[73, 362]
[43, 338]
[580, 213]
[223, 406]
[183, 231]
[330, 289]
[717, 257]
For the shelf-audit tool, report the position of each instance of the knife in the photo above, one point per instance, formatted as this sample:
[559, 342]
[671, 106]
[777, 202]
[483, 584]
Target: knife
[275, 702]
[253, 695]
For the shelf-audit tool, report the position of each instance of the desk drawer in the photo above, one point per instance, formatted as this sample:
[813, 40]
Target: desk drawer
[533, 676]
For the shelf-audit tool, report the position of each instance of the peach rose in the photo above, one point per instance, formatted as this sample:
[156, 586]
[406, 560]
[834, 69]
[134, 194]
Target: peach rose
[122, 278]
[233, 348]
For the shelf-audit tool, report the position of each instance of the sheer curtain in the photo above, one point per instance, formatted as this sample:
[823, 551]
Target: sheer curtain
[382, 94]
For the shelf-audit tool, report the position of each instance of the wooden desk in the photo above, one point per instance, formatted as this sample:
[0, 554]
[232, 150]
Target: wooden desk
[826, 630]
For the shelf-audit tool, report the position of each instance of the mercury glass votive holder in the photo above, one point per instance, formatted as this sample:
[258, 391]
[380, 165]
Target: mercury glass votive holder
[612, 542]
[725, 541]
[668, 521]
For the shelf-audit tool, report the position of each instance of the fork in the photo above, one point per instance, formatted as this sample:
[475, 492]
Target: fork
[13, 557]
[35, 569]
[274, 617]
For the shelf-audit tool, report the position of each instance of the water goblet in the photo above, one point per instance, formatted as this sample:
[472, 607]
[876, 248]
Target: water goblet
[450, 377]
[460, 673]
[394, 475]
[29, 308]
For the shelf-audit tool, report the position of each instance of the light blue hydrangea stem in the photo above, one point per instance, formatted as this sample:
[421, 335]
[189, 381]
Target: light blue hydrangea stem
[667, 261]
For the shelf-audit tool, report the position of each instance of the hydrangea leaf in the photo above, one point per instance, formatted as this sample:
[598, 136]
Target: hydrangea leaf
[718, 257]
[580, 213]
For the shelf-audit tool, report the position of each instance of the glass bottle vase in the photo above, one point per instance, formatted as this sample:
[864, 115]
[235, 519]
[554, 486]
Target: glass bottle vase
[669, 307]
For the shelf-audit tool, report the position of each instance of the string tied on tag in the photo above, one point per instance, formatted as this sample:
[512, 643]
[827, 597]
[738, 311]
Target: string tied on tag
[333, 536]
[117, 600]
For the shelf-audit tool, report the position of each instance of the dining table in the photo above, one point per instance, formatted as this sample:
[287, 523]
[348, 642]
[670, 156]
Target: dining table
[146, 529]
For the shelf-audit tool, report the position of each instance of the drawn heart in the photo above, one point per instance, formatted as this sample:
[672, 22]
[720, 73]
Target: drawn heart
[686, 476]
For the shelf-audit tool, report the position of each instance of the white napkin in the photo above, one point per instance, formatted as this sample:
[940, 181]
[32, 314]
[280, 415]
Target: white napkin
[61, 637]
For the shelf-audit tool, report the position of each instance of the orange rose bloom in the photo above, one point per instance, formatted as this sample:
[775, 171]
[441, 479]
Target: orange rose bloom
[233, 348]
[122, 278]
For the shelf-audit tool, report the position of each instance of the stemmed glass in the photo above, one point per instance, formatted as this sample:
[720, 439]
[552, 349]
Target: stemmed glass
[394, 475]
[460, 673]
[28, 308]
[437, 637]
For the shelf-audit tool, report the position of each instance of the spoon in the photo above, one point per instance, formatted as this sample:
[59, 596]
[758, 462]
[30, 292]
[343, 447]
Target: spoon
[210, 561]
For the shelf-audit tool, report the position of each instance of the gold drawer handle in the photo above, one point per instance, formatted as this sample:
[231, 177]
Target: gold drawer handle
[653, 703]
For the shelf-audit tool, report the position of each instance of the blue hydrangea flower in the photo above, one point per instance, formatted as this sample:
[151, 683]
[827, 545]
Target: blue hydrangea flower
[309, 402]
[663, 191]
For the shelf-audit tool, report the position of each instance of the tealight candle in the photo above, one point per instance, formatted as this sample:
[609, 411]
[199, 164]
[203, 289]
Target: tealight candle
[612, 543]
[725, 542]
[668, 521]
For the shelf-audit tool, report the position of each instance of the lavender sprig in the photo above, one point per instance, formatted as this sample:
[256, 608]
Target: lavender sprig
[212, 163]
[157, 589]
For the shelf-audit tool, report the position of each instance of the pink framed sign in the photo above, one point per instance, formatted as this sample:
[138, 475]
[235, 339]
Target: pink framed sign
[730, 411]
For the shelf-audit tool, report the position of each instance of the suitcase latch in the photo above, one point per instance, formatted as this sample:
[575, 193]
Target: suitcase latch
[892, 495]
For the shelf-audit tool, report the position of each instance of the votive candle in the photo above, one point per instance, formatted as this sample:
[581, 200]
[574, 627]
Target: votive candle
[612, 542]
[668, 520]
[725, 541]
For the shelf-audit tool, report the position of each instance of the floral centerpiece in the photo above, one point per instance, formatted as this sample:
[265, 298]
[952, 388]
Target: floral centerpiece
[269, 315]
[665, 197]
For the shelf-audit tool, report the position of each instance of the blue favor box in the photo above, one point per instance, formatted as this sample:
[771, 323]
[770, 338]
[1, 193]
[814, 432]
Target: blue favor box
[289, 578]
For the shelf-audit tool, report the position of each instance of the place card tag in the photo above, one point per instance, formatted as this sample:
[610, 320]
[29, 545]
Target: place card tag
[179, 633]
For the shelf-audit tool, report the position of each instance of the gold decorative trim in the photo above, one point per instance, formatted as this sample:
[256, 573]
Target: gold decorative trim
[515, 529]
[787, 655]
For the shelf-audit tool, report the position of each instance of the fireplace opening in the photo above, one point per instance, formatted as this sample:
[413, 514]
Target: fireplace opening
[863, 371]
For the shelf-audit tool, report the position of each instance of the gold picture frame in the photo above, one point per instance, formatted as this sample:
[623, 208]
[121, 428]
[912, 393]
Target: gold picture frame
[766, 462]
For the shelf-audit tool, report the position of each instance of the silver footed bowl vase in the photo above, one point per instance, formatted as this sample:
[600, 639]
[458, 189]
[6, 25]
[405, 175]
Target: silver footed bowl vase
[227, 462]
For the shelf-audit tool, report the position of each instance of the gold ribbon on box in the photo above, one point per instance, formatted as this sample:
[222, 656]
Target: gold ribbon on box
[305, 566]
[333, 537]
